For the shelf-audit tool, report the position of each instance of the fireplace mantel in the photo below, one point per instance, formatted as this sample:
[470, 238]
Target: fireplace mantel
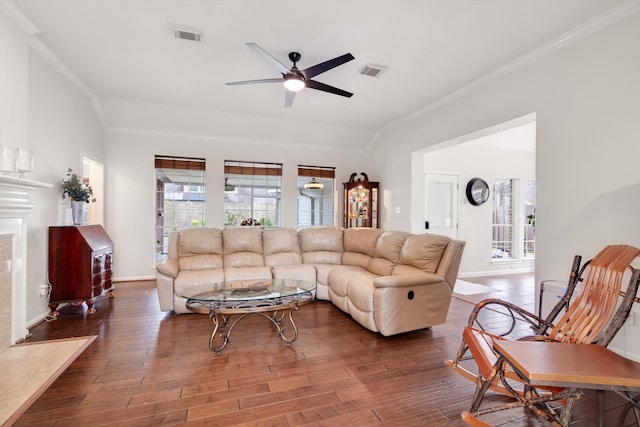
[15, 205]
[15, 195]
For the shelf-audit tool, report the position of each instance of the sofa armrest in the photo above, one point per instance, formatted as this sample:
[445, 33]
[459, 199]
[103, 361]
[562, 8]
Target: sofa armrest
[166, 291]
[450, 262]
[407, 280]
[168, 267]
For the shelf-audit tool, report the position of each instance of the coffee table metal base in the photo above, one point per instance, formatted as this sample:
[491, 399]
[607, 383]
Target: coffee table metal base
[279, 311]
[222, 327]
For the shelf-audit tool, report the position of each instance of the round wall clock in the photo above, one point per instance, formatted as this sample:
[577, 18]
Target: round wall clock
[477, 191]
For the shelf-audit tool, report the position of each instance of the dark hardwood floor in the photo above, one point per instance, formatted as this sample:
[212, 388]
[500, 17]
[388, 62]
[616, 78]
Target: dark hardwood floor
[152, 368]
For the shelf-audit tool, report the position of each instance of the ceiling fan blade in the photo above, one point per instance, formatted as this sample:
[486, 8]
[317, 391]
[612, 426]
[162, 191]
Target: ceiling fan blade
[326, 88]
[288, 98]
[270, 59]
[327, 65]
[250, 82]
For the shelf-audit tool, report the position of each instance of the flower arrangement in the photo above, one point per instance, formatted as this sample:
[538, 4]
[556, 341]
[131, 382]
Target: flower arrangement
[73, 188]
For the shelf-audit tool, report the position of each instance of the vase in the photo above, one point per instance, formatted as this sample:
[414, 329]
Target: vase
[76, 211]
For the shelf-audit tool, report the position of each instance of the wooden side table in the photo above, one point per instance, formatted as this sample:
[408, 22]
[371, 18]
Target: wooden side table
[570, 366]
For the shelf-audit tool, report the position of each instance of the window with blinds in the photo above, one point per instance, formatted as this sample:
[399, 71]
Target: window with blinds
[252, 194]
[316, 196]
[180, 195]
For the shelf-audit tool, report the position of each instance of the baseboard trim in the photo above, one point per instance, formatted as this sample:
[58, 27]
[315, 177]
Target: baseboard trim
[133, 278]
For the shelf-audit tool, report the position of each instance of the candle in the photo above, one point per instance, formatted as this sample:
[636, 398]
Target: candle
[24, 162]
[7, 158]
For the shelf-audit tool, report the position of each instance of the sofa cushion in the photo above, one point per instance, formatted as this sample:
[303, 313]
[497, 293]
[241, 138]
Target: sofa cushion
[232, 274]
[189, 278]
[304, 272]
[360, 245]
[340, 276]
[280, 247]
[321, 245]
[199, 241]
[322, 257]
[200, 262]
[389, 245]
[242, 239]
[361, 240]
[242, 247]
[381, 266]
[321, 239]
[387, 252]
[424, 251]
[361, 292]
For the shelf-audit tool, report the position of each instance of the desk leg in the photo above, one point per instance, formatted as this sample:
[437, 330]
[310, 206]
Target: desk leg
[600, 394]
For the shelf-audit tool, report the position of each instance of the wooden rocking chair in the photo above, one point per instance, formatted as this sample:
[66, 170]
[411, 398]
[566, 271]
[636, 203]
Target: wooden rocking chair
[591, 318]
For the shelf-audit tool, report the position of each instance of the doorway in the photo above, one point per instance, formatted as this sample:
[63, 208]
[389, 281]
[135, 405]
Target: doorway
[503, 151]
[93, 174]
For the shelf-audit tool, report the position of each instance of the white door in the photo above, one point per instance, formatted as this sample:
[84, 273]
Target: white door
[441, 204]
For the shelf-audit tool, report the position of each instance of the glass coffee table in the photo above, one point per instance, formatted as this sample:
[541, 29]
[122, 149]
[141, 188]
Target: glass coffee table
[273, 299]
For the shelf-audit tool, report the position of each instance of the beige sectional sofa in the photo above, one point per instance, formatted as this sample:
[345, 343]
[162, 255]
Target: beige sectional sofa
[388, 281]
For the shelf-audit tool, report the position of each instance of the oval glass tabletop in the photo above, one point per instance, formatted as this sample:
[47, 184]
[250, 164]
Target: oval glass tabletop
[244, 290]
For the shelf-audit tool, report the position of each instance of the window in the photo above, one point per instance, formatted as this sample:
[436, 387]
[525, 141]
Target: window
[316, 194]
[179, 197]
[514, 206]
[252, 193]
[529, 200]
[502, 240]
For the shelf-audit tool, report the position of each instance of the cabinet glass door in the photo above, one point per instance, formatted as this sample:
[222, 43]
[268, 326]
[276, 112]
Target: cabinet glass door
[359, 207]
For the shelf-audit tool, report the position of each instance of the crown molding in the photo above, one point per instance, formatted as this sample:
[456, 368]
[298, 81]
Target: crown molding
[611, 16]
[18, 16]
[223, 139]
[65, 71]
[97, 107]
[60, 66]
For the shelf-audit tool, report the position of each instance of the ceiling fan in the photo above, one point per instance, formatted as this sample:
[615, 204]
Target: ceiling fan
[295, 79]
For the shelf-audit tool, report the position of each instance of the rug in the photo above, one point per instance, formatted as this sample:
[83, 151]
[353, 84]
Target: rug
[467, 288]
[28, 369]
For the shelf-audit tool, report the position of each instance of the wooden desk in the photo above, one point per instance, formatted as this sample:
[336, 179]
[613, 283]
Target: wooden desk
[570, 365]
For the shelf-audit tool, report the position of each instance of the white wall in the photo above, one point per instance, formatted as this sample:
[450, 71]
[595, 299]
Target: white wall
[469, 160]
[13, 83]
[41, 110]
[586, 99]
[131, 183]
[62, 125]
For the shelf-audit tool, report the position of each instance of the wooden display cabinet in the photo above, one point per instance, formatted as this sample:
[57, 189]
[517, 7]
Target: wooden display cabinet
[80, 265]
[361, 202]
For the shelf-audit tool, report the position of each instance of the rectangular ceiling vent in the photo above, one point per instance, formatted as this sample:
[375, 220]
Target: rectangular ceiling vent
[191, 34]
[372, 70]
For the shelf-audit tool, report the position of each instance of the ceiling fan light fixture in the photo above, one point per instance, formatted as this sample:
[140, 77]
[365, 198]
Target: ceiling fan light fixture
[313, 185]
[293, 83]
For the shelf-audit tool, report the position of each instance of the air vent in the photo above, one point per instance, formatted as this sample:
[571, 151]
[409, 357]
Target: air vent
[191, 34]
[372, 70]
